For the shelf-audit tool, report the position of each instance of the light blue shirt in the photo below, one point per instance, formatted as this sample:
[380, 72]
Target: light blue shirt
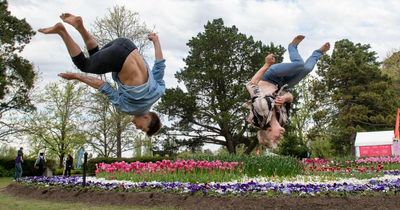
[137, 100]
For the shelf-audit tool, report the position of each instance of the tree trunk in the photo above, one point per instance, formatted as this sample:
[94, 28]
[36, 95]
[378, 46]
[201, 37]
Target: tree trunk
[119, 138]
[352, 141]
[60, 165]
[230, 146]
[251, 146]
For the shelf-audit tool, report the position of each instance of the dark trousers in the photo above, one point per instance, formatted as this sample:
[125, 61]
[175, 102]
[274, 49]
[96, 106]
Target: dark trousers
[41, 170]
[67, 171]
[109, 58]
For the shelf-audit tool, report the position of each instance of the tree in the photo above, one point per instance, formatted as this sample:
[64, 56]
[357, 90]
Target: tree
[100, 133]
[7, 151]
[143, 146]
[119, 22]
[352, 94]
[56, 127]
[16, 73]
[391, 67]
[220, 62]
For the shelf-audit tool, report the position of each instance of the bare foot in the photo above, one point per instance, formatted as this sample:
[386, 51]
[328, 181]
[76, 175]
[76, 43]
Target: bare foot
[75, 21]
[325, 47]
[297, 39]
[56, 29]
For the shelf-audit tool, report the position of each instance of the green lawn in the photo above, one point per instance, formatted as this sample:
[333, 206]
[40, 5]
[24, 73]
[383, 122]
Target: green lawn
[8, 202]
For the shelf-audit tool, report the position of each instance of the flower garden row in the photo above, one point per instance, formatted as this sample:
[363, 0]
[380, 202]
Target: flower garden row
[216, 170]
[387, 184]
[238, 175]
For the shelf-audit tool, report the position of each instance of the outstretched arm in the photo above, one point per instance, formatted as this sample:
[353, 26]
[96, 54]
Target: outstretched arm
[157, 46]
[91, 81]
[269, 60]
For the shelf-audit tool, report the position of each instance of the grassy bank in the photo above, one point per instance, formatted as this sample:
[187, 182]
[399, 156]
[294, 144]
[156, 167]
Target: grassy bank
[9, 202]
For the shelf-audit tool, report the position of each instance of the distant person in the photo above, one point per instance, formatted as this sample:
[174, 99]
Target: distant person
[20, 151]
[18, 165]
[69, 165]
[40, 164]
[139, 87]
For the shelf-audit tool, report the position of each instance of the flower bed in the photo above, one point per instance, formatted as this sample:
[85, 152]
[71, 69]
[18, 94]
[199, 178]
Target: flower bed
[215, 177]
[166, 170]
[387, 184]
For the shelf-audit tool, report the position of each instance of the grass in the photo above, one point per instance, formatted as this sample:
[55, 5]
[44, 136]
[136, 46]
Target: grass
[9, 202]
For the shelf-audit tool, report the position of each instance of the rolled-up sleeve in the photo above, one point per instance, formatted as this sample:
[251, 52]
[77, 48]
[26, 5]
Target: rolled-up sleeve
[111, 93]
[158, 71]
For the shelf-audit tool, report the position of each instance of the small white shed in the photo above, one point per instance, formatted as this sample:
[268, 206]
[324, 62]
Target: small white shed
[377, 143]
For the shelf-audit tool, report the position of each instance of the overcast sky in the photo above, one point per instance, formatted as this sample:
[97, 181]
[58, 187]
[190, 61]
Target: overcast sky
[368, 22]
[371, 22]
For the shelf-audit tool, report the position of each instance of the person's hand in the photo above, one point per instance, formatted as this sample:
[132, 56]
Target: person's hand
[69, 76]
[279, 100]
[270, 59]
[152, 37]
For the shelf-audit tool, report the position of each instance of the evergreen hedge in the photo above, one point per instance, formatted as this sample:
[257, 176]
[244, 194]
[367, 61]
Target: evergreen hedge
[28, 169]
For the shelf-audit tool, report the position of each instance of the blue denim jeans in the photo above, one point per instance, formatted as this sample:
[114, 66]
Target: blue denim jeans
[291, 73]
[18, 171]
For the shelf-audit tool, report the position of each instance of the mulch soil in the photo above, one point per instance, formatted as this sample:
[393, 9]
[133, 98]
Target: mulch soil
[192, 202]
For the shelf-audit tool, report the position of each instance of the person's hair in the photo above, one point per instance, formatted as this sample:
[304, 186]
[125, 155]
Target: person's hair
[262, 136]
[154, 125]
[41, 153]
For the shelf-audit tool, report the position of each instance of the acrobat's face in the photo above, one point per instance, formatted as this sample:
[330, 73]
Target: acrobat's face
[141, 122]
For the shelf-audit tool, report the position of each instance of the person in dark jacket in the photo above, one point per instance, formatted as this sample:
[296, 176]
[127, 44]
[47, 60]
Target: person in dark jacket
[68, 165]
[40, 164]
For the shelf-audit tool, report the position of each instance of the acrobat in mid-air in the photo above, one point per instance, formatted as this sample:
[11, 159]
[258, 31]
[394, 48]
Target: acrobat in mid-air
[139, 87]
[270, 103]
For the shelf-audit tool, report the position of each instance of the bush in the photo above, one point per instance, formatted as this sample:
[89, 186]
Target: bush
[92, 162]
[322, 148]
[28, 168]
[60, 171]
[5, 173]
[260, 165]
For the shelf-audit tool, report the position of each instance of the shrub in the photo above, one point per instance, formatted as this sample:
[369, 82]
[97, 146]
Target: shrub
[60, 171]
[28, 168]
[321, 148]
[5, 173]
[92, 162]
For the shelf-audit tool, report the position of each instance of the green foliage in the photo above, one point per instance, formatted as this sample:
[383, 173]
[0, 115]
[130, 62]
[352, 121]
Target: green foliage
[5, 173]
[7, 151]
[92, 162]
[260, 165]
[121, 22]
[351, 94]
[16, 73]
[58, 125]
[220, 62]
[60, 171]
[28, 168]
[321, 147]
[292, 145]
[391, 67]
